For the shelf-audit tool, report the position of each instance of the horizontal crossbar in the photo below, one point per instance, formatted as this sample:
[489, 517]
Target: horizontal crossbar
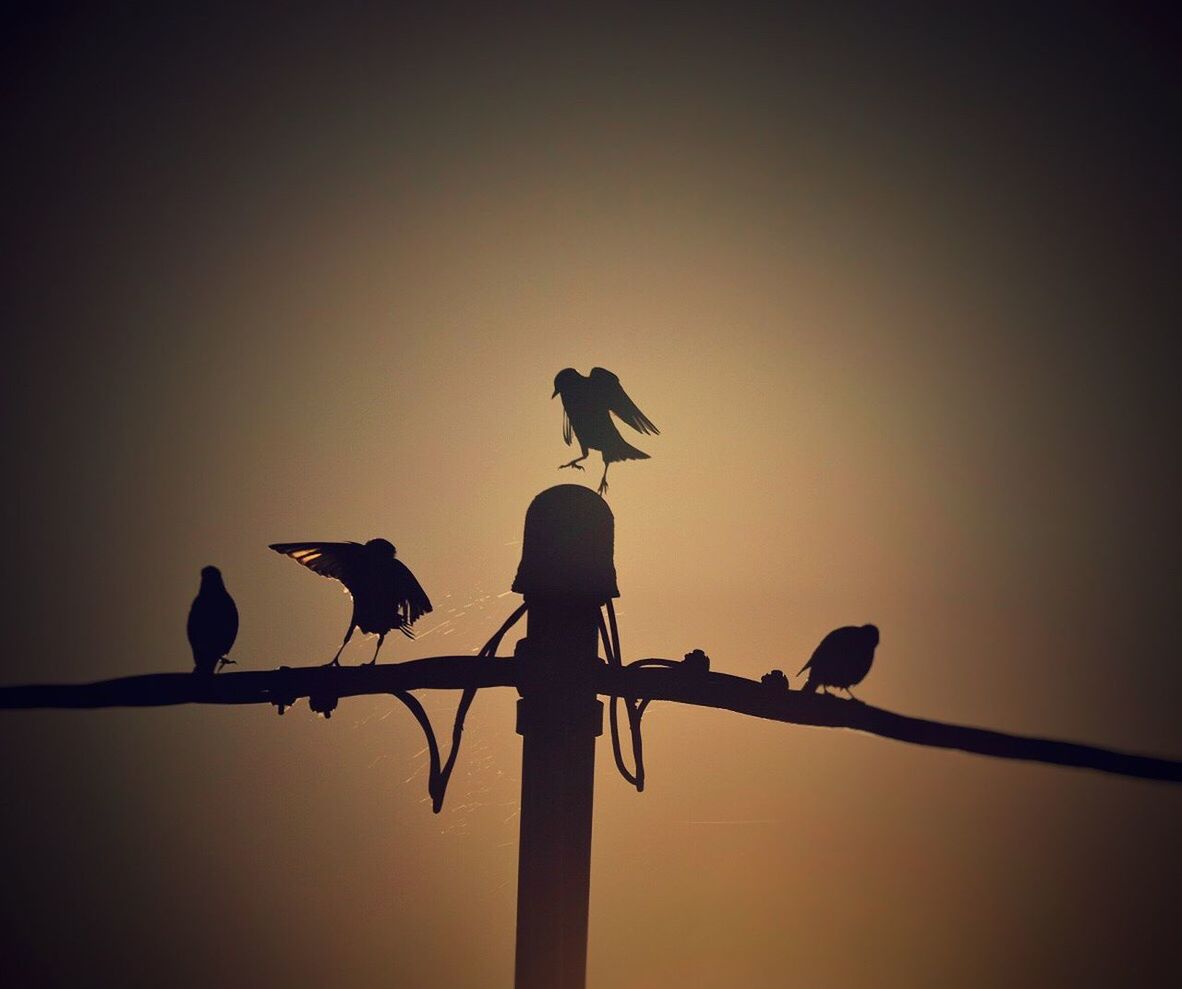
[668, 681]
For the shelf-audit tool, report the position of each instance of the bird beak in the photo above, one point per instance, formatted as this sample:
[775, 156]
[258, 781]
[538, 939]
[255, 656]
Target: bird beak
[555, 393]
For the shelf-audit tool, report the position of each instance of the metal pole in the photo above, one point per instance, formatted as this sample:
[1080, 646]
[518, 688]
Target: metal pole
[566, 573]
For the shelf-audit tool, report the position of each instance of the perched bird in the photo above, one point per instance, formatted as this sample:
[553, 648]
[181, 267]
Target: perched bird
[587, 405]
[842, 659]
[385, 593]
[213, 623]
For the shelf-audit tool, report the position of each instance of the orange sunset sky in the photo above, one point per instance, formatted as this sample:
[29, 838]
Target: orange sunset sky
[900, 290]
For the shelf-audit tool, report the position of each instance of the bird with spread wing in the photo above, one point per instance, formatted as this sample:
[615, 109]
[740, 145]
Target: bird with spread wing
[587, 406]
[385, 593]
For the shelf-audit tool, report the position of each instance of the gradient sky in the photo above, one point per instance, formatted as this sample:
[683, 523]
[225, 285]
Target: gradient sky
[899, 289]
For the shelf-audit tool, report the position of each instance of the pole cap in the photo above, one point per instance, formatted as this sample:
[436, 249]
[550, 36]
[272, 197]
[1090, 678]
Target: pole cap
[567, 550]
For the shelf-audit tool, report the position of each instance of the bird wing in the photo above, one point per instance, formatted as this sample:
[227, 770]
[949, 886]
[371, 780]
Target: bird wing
[340, 561]
[825, 645]
[231, 621]
[606, 387]
[409, 593]
[566, 428]
[213, 624]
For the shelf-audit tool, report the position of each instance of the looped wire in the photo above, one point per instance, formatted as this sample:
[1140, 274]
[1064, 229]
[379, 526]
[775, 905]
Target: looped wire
[439, 777]
[634, 708]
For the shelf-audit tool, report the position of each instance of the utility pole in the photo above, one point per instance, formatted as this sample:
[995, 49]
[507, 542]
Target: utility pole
[566, 575]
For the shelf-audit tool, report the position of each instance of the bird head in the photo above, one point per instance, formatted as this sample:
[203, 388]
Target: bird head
[211, 573]
[871, 634]
[381, 547]
[563, 379]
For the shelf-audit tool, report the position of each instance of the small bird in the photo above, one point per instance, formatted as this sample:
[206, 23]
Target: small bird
[587, 404]
[213, 623]
[843, 658]
[385, 593]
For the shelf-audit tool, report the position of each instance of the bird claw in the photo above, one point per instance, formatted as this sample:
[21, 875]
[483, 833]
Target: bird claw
[574, 465]
[602, 489]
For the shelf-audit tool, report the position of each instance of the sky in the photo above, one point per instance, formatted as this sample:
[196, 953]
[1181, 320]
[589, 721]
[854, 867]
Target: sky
[899, 289]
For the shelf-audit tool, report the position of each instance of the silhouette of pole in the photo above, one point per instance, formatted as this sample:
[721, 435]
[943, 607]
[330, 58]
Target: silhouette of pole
[566, 574]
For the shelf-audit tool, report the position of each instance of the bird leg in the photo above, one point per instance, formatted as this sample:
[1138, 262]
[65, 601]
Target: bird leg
[574, 463]
[336, 660]
[224, 662]
[603, 480]
[381, 639]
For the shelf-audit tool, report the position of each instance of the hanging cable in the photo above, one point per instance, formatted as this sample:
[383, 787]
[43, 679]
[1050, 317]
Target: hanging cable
[613, 707]
[439, 780]
[635, 709]
[609, 633]
[415, 708]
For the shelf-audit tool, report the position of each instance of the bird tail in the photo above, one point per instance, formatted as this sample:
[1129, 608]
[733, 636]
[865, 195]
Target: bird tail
[621, 449]
[810, 686]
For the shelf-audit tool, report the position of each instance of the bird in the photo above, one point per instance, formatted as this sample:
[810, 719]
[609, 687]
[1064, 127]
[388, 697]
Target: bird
[587, 404]
[843, 658]
[213, 623]
[385, 593]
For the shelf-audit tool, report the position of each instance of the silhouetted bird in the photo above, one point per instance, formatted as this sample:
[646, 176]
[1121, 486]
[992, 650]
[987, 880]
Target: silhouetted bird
[213, 623]
[842, 659]
[587, 405]
[385, 593]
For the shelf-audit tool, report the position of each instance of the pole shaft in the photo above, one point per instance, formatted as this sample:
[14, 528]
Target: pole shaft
[559, 718]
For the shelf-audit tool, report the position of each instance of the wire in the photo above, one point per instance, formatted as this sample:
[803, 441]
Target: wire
[613, 708]
[437, 786]
[634, 708]
[415, 708]
[609, 632]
